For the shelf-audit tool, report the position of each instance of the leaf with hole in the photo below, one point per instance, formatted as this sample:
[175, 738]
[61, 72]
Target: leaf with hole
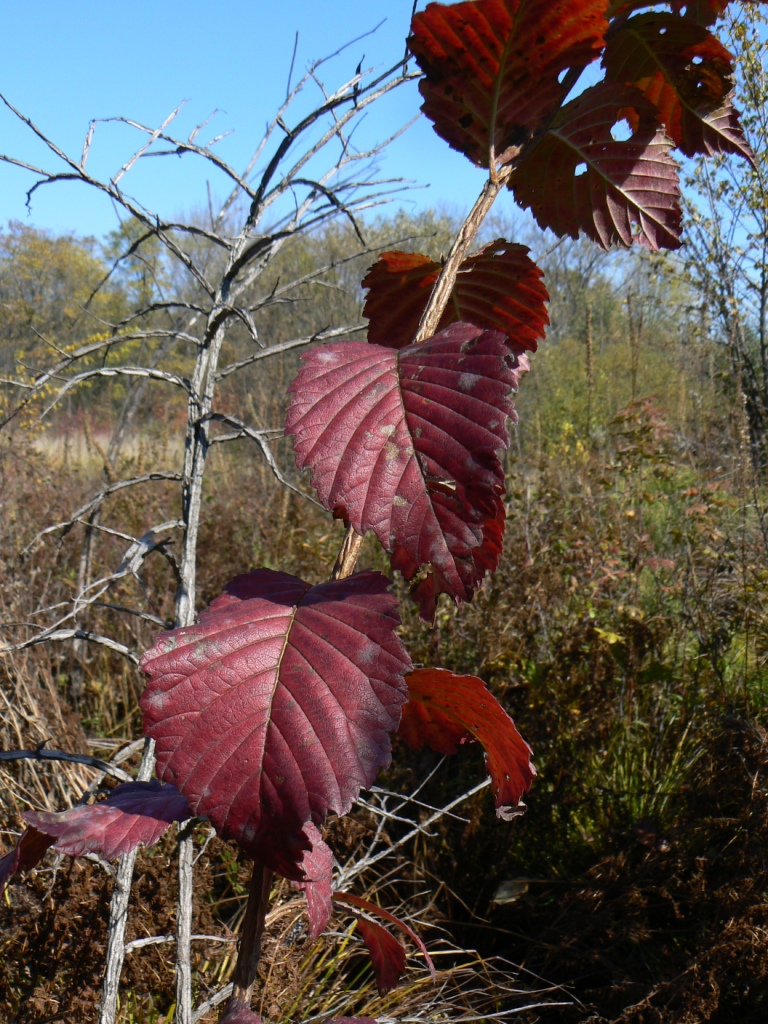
[495, 70]
[446, 710]
[278, 706]
[686, 73]
[498, 288]
[578, 177]
[702, 12]
[404, 444]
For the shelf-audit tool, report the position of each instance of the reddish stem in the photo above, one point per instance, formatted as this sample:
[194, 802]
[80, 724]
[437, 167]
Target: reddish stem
[249, 951]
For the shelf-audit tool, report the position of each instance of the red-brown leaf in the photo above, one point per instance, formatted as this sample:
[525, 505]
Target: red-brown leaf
[623, 191]
[703, 12]
[685, 72]
[134, 814]
[386, 915]
[278, 706]
[25, 855]
[386, 953]
[404, 444]
[317, 886]
[493, 67]
[446, 710]
[499, 288]
[238, 1013]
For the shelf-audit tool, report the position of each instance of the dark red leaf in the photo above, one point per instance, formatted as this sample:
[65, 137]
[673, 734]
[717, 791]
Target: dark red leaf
[372, 908]
[578, 178]
[703, 12]
[25, 855]
[446, 710]
[387, 954]
[493, 67]
[134, 814]
[686, 74]
[317, 866]
[404, 444]
[621, 8]
[238, 1013]
[499, 288]
[278, 706]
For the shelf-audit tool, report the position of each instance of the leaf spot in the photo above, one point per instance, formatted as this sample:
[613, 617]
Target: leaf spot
[391, 451]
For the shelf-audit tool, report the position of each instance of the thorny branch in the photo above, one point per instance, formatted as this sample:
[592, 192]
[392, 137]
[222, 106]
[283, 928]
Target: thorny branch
[42, 753]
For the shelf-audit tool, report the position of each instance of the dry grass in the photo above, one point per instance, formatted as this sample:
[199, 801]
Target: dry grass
[625, 630]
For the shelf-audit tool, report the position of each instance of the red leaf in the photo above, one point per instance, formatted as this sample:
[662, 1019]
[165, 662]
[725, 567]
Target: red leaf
[685, 72]
[372, 908]
[446, 710]
[317, 866]
[278, 706]
[404, 444]
[499, 288]
[25, 855]
[387, 954]
[238, 1013]
[493, 67]
[703, 12]
[134, 814]
[578, 178]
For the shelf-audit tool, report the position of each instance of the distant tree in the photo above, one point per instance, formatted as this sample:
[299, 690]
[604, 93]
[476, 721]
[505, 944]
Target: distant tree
[726, 255]
[47, 286]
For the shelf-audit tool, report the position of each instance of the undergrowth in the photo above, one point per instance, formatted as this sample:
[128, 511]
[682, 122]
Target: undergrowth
[626, 628]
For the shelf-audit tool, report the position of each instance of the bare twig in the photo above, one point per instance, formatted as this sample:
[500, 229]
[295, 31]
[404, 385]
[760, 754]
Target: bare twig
[184, 925]
[118, 911]
[346, 189]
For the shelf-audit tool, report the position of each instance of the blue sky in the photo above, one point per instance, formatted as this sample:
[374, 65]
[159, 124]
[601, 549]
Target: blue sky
[67, 62]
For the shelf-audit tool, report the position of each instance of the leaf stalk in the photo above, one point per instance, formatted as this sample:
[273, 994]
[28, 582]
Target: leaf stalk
[249, 951]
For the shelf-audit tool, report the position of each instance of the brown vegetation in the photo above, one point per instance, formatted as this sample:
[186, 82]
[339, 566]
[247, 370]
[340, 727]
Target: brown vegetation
[625, 630]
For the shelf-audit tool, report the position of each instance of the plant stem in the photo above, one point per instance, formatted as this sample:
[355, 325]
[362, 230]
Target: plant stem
[250, 938]
[348, 555]
[438, 300]
[443, 287]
